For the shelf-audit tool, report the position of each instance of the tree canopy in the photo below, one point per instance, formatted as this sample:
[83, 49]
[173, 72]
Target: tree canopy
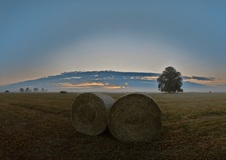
[21, 90]
[170, 81]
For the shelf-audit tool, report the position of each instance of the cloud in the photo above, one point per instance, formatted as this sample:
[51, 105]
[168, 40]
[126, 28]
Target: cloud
[200, 78]
[82, 85]
[114, 87]
[90, 85]
[209, 81]
[73, 78]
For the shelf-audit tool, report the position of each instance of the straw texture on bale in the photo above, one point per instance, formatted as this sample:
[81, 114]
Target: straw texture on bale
[89, 113]
[135, 118]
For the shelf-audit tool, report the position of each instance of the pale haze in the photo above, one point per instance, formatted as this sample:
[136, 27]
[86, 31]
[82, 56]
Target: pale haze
[45, 38]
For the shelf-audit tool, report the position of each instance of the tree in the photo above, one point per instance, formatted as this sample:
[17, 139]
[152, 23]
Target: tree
[27, 90]
[44, 90]
[170, 81]
[21, 90]
[63, 92]
[35, 89]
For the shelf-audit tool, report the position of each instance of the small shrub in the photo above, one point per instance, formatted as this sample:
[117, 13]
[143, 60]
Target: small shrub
[63, 92]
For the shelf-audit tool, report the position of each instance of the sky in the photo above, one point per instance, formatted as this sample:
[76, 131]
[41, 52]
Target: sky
[42, 38]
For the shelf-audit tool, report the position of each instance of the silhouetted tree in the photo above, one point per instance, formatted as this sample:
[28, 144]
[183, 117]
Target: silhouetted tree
[27, 90]
[63, 92]
[44, 90]
[170, 81]
[35, 89]
[21, 90]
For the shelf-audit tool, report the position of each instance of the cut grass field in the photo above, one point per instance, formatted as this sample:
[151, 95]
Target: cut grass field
[38, 126]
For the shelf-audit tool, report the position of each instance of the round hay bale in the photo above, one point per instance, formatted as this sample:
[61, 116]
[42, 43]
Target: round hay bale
[89, 113]
[135, 118]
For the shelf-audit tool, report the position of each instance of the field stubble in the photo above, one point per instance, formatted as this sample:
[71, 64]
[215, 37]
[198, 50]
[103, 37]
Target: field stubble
[38, 126]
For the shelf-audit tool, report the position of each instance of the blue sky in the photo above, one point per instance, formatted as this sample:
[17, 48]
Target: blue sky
[44, 38]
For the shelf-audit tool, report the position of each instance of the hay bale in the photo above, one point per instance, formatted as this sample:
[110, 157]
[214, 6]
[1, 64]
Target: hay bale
[89, 113]
[135, 118]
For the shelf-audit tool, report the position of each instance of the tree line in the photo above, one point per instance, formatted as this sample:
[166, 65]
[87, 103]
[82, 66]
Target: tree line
[27, 90]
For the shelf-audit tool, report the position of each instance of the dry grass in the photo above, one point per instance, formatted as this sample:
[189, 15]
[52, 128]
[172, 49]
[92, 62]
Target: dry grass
[38, 126]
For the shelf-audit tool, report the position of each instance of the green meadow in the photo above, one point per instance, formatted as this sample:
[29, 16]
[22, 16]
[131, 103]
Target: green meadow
[38, 126]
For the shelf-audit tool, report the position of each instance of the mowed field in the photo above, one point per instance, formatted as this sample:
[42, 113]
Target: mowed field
[38, 126]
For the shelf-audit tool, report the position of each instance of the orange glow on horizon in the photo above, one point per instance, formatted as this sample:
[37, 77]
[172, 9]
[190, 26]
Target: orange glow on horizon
[91, 84]
[83, 85]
